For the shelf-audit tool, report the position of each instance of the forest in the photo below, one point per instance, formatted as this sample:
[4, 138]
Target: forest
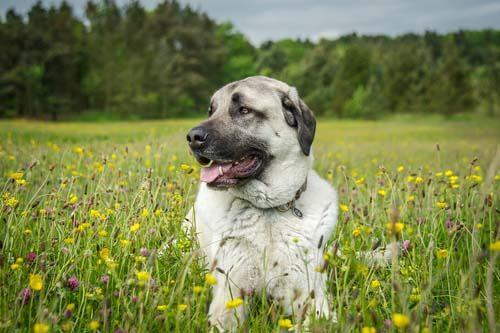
[132, 63]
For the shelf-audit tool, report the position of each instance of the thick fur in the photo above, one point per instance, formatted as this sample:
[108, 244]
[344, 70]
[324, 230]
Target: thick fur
[250, 246]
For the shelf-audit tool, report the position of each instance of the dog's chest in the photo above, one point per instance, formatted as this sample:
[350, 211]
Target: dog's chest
[264, 237]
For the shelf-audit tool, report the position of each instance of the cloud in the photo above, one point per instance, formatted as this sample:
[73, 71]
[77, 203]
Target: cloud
[261, 20]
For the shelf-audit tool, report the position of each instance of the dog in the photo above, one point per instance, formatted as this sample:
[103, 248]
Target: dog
[262, 215]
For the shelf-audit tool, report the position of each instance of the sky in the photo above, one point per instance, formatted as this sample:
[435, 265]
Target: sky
[262, 20]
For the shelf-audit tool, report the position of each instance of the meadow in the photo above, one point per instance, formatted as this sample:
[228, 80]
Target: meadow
[84, 208]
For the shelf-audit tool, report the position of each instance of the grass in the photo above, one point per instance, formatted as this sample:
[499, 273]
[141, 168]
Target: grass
[84, 208]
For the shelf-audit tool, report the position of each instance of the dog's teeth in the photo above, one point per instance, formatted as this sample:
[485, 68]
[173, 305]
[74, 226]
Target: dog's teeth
[209, 164]
[236, 163]
[221, 172]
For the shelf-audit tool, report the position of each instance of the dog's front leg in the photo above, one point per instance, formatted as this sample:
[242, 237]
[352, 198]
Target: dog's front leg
[223, 312]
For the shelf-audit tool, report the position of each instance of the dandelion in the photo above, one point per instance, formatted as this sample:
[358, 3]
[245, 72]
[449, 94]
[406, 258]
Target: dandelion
[70, 307]
[410, 198]
[162, 307]
[495, 246]
[69, 240]
[14, 267]
[78, 150]
[104, 253]
[234, 303]
[72, 199]
[375, 284]
[360, 181]
[448, 173]
[382, 193]
[142, 276]
[439, 174]
[197, 289]
[285, 323]
[94, 213]
[94, 325]
[367, 329]
[344, 208]
[36, 282]
[401, 168]
[12, 202]
[210, 279]
[395, 228]
[21, 182]
[102, 233]
[418, 180]
[400, 320]
[16, 175]
[27, 232]
[145, 212]
[356, 232]
[40, 328]
[441, 204]
[125, 242]
[134, 227]
[182, 307]
[441, 254]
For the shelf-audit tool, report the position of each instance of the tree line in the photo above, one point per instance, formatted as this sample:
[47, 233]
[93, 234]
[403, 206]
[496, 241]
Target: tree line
[131, 63]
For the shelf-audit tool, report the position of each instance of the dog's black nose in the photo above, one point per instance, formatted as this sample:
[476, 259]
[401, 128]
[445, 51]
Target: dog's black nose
[197, 136]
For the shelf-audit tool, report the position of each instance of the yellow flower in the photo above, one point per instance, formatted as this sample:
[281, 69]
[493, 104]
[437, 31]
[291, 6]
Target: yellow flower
[410, 198]
[104, 253]
[495, 246]
[375, 284]
[78, 150]
[382, 193]
[158, 212]
[142, 276]
[400, 320]
[145, 212]
[441, 254]
[36, 282]
[182, 307]
[27, 232]
[73, 199]
[94, 325]
[14, 267]
[124, 242]
[67, 326]
[285, 323]
[234, 303]
[162, 307]
[367, 329]
[395, 228]
[21, 182]
[69, 240]
[197, 289]
[70, 307]
[210, 279]
[185, 167]
[441, 204]
[102, 233]
[94, 213]
[344, 208]
[360, 181]
[40, 328]
[134, 227]
[418, 180]
[448, 173]
[16, 175]
[410, 179]
[401, 168]
[356, 232]
[439, 174]
[12, 202]
[497, 177]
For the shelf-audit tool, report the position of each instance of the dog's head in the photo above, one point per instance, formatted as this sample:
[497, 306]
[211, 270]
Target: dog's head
[257, 128]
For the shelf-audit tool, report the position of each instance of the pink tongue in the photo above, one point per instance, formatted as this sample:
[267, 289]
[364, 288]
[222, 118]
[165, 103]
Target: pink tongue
[211, 173]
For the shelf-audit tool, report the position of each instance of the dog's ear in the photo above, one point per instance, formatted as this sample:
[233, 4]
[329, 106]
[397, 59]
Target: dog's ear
[297, 114]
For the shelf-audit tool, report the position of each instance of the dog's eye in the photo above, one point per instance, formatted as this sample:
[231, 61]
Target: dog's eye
[244, 110]
[210, 110]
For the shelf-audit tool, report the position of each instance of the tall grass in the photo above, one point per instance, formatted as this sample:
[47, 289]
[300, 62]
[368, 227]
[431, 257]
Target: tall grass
[85, 207]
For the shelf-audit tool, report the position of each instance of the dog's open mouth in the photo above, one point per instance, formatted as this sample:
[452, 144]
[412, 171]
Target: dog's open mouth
[229, 173]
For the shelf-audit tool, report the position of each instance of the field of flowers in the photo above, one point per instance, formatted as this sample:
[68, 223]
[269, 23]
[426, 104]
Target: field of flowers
[85, 207]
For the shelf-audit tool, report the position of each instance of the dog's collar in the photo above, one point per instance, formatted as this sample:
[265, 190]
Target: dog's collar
[290, 205]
